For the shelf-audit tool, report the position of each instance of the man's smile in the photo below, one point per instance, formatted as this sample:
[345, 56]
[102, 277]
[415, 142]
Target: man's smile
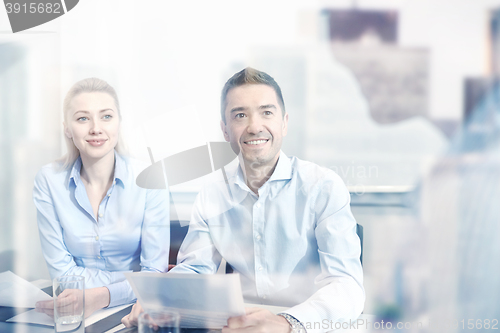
[256, 141]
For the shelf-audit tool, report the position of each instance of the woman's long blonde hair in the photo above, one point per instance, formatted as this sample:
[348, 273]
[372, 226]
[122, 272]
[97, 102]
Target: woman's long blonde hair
[87, 86]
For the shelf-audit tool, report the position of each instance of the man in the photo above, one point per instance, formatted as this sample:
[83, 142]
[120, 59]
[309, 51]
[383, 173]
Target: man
[283, 224]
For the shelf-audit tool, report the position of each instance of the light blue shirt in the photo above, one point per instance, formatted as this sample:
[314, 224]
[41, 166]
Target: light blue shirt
[294, 245]
[132, 231]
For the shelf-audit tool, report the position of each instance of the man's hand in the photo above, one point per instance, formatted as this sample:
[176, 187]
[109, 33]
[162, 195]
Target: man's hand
[131, 319]
[69, 300]
[257, 320]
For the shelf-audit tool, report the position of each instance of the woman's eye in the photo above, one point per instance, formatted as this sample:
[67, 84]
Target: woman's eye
[108, 116]
[82, 119]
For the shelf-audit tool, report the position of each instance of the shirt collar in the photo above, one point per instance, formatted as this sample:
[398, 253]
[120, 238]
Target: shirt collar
[283, 171]
[75, 171]
[120, 170]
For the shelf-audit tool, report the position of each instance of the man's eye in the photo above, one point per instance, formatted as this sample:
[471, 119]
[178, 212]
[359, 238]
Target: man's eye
[239, 115]
[268, 113]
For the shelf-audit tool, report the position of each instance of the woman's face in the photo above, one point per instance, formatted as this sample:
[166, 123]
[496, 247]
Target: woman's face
[93, 124]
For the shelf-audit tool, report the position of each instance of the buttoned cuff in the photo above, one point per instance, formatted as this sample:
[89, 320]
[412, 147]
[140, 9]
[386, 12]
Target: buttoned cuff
[120, 293]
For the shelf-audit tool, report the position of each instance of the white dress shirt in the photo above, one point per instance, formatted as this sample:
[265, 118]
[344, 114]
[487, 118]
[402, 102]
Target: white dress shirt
[294, 245]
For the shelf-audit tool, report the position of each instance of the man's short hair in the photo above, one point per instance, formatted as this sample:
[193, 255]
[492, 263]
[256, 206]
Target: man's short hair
[249, 76]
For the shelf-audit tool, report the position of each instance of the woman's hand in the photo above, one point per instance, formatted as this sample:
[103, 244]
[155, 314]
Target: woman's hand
[131, 319]
[69, 300]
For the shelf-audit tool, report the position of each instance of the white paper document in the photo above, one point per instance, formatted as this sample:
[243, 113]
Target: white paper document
[202, 300]
[33, 317]
[17, 292]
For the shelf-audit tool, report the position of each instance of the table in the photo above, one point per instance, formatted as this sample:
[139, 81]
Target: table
[114, 321]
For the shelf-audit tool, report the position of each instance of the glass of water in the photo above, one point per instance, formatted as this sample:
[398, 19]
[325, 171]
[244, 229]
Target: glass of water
[69, 303]
[159, 321]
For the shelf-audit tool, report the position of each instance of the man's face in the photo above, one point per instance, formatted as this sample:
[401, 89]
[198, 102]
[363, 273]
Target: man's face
[255, 125]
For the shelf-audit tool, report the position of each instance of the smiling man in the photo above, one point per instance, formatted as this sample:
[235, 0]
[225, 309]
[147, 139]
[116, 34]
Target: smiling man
[286, 228]
[283, 224]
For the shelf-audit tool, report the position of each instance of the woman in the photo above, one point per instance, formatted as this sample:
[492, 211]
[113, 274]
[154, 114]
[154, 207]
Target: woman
[93, 219]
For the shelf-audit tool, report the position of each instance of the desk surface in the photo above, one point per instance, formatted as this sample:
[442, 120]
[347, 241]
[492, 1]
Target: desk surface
[27, 328]
[119, 328]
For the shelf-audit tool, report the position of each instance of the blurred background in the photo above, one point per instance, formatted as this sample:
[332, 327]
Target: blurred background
[399, 97]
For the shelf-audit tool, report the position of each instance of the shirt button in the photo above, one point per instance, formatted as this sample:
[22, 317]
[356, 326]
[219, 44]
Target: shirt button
[264, 297]
[100, 215]
[96, 237]
[109, 195]
[257, 237]
[260, 268]
[257, 205]
[98, 257]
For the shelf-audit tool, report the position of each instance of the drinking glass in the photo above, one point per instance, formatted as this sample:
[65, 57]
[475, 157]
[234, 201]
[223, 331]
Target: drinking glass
[159, 321]
[69, 304]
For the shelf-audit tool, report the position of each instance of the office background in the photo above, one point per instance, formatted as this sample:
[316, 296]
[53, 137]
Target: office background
[381, 91]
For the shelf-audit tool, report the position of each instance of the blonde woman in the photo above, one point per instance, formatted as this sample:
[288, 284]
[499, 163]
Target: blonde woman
[93, 219]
